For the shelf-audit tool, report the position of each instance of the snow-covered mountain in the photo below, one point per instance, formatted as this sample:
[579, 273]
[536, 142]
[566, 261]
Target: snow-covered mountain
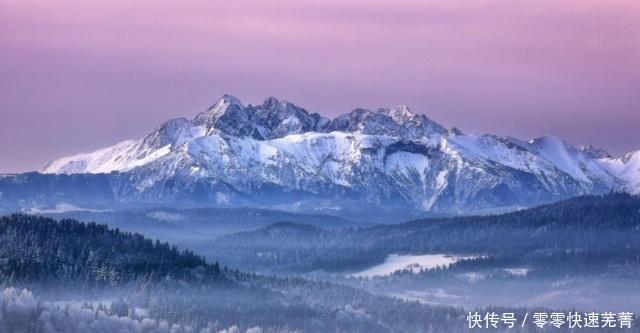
[278, 154]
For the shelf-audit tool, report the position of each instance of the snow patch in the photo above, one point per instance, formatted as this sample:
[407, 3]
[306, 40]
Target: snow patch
[414, 263]
[61, 208]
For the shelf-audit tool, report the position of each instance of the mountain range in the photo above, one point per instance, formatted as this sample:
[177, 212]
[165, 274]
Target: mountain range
[279, 155]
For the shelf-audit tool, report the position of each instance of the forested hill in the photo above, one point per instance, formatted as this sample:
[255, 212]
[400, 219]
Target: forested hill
[614, 210]
[599, 225]
[39, 249]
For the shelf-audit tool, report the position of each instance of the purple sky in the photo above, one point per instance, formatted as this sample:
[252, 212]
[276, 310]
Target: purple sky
[76, 75]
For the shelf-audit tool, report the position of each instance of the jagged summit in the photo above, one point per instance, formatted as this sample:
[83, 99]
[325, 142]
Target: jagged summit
[272, 119]
[278, 118]
[222, 105]
[400, 114]
[272, 102]
[398, 121]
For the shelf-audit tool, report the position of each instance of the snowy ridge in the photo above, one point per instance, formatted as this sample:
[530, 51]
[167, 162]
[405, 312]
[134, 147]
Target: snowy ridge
[394, 157]
[626, 168]
[100, 161]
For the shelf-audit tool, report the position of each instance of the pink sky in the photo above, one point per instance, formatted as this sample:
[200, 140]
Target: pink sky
[78, 75]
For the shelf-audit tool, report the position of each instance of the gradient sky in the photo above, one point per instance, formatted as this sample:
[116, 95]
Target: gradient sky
[77, 75]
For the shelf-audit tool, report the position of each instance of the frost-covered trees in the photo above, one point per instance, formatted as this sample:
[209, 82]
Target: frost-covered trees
[21, 312]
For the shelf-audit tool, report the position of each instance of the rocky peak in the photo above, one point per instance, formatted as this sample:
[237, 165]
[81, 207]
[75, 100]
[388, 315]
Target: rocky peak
[227, 105]
[400, 114]
[272, 103]
[398, 121]
[273, 109]
[454, 131]
[279, 118]
[272, 119]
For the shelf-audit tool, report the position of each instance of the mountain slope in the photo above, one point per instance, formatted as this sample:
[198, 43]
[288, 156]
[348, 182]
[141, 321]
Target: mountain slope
[279, 154]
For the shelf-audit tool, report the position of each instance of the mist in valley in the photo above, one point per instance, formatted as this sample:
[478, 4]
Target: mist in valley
[268, 271]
